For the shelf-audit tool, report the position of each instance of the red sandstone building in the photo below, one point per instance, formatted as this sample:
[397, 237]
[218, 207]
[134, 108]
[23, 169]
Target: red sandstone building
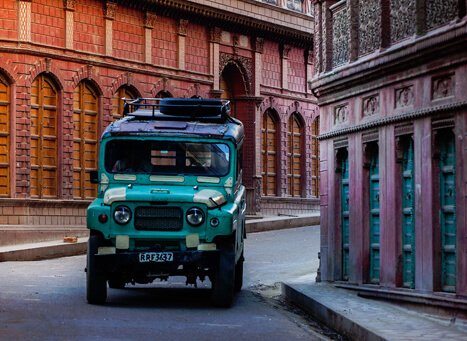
[65, 64]
[391, 82]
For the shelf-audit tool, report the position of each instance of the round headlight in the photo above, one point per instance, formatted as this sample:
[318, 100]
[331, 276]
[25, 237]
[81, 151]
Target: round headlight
[195, 216]
[122, 215]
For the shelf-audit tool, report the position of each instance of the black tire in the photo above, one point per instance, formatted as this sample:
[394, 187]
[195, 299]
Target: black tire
[239, 274]
[116, 283]
[224, 278]
[96, 284]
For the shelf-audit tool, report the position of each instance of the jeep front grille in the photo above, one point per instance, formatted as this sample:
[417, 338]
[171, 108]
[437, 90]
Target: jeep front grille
[158, 218]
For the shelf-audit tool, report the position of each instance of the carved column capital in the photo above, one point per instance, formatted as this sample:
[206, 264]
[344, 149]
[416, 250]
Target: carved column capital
[216, 33]
[69, 5]
[182, 27]
[149, 19]
[258, 45]
[110, 10]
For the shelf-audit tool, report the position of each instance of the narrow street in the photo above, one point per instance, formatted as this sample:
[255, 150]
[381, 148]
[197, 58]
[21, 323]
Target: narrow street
[45, 300]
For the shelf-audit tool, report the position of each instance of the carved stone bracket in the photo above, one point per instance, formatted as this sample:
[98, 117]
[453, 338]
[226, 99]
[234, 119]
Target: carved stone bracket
[216, 34]
[259, 45]
[110, 10]
[285, 50]
[69, 5]
[149, 20]
[182, 27]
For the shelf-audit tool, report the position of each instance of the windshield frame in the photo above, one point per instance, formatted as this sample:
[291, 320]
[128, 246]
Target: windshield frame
[172, 155]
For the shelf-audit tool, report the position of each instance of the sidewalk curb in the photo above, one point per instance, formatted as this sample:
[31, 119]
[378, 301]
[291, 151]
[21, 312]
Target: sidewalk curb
[46, 250]
[326, 315]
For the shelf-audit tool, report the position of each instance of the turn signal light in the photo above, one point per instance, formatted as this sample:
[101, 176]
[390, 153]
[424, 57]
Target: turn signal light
[103, 218]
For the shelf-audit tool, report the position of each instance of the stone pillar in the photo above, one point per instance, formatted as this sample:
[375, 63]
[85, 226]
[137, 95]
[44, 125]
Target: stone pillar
[215, 41]
[24, 21]
[109, 15]
[182, 27]
[285, 66]
[423, 178]
[69, 23]
[149, 21]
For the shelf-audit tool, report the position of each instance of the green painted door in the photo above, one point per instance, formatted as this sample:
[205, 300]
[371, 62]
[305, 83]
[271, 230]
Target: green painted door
[408, 221]
[447, 172]
[345, 216]
[374, 219]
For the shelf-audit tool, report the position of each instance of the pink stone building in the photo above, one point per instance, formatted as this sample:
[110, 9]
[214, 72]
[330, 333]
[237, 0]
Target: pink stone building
[391, 83]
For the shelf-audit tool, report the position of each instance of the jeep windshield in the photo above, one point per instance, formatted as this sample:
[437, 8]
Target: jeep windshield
[167, 158]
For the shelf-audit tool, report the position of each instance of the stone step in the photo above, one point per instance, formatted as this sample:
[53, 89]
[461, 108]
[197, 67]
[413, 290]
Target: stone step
[24, 234]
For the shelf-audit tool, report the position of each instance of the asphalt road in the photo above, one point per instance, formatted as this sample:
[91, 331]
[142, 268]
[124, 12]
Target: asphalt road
[45, 300]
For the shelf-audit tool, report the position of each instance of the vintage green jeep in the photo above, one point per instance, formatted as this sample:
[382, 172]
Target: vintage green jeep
[170, 198]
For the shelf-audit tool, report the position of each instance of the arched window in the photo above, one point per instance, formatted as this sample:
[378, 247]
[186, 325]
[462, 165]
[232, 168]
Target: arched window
[4, 138]
[315, 158]
[44, 121]
[85, 134]
[294, 154]
[269, 153]
[117, 103]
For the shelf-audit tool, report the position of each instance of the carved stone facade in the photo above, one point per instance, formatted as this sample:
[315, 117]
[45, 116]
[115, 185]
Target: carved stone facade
[440, 12]
[393, 149]
[340, 37]
[369, 26]
[403, 19]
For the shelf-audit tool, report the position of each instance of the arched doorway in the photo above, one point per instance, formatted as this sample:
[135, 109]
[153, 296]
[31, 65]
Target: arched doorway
[232, 86]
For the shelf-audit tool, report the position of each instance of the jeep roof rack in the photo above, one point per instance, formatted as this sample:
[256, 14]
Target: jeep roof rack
[177, 109]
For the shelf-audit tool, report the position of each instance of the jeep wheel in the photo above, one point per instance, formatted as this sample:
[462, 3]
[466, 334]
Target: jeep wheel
[96, 284]
[224, 278]
[239, 274]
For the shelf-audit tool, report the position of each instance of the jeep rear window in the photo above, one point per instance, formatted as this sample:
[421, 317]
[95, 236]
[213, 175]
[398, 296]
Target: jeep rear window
[167, 158]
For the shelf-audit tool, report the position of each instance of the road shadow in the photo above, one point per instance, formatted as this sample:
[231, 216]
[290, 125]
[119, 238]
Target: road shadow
[163, 295]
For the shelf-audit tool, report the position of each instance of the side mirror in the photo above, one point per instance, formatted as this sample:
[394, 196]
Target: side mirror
[94, 177]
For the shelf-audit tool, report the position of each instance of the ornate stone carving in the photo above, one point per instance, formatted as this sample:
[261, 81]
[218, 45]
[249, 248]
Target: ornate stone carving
[235, 43]
[69, 5]
[370, 106]
[216, 33]
[439, 12]
[244, 65]
[403, 20]
[285, 51]
[404, 97]
[259, 45]
[442, 87]
[48, 65]
[369, 25]
[341, 114]
[149, 20]
[110, 10]
[182, 27]
[340, 37]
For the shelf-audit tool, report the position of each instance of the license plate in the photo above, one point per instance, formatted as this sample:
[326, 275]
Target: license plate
[156, 257]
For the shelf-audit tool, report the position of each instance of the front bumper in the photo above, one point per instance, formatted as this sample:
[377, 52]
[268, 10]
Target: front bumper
[183, 261]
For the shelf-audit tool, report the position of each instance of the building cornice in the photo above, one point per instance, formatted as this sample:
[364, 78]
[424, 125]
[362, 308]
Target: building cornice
[221, 16]
[410, 116]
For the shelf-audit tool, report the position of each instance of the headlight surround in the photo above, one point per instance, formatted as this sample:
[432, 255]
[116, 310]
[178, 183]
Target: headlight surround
[122, 215]
[195, 216]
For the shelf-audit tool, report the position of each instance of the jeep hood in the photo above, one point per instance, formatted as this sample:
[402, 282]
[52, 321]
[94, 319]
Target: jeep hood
[210, 197]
